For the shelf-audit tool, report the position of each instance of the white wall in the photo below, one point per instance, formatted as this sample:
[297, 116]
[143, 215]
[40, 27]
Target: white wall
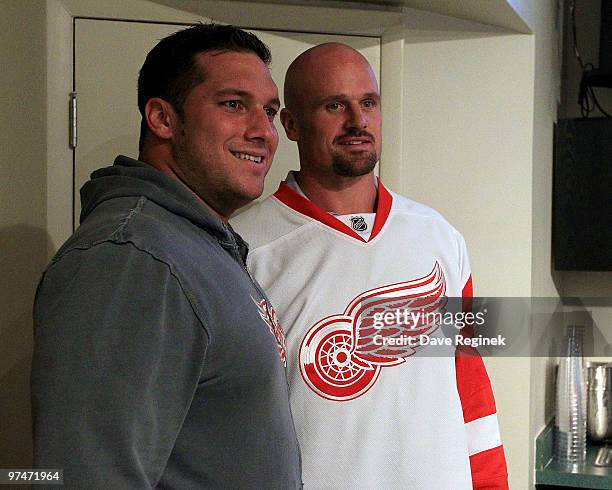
[23, 237]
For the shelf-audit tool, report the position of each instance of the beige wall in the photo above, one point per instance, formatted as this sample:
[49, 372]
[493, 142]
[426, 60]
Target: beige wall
[23, 238]
[479, 147]
[468, 95]
[546, 92]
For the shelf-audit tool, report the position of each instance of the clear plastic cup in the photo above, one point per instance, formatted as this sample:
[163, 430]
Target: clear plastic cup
[571, 407]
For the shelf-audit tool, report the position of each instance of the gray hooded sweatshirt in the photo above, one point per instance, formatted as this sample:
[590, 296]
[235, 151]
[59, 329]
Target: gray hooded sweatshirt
[158, 361]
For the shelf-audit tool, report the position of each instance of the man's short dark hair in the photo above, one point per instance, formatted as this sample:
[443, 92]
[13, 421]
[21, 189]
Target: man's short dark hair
[170, 70]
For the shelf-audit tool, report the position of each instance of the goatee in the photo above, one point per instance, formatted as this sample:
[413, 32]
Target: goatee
[354, 167]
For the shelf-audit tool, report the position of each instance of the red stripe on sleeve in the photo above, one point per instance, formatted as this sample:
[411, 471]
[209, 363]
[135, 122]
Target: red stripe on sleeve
[473, 382]
[474, 386]
[466, 294]
[466, 306]
[489, 470]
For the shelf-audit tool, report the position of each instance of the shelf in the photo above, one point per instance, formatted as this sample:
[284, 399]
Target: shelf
[507, 14]
[549, 472]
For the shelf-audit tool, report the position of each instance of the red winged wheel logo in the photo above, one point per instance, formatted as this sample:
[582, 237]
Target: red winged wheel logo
[341, 356]
[268, 315]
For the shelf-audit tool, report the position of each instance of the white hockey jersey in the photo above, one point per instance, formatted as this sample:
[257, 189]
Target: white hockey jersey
[365, 420]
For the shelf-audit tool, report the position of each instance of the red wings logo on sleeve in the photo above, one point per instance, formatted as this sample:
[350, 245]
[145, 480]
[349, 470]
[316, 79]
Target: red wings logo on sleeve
[341, 356]
[268, 315]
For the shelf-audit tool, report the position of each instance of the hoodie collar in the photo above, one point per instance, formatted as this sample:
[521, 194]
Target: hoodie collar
[132, 178]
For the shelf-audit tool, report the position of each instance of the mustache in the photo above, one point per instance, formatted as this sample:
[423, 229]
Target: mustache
[355, 133]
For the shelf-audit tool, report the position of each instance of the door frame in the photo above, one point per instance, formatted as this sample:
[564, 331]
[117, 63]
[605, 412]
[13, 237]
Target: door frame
[386, 25]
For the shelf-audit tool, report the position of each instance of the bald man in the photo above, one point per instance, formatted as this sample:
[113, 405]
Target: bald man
[335, 250]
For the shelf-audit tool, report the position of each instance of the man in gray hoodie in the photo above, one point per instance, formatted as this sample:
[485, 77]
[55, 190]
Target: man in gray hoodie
[158, 360]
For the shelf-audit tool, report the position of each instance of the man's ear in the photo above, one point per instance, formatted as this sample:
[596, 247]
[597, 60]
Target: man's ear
[290, 124]
[161, 118]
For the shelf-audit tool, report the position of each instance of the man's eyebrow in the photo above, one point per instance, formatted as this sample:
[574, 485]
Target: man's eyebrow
[331, 98]
[234, 92]
[371, 95]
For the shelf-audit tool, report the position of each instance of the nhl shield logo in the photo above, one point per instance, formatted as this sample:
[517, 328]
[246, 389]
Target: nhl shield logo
[358, 223]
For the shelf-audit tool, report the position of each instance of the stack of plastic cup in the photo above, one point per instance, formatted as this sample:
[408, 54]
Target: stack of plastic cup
[571, 409]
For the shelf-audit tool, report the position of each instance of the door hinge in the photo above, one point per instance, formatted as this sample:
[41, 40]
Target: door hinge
[73, 120]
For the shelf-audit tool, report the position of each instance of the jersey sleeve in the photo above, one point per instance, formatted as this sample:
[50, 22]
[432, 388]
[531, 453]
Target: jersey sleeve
[487, 459]
[118, 354]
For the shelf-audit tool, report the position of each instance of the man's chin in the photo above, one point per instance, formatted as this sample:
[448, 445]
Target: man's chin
[247, 196]
[354, 167]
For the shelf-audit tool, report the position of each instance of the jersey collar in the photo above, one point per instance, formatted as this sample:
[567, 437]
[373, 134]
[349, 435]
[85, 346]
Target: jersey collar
[292, 199]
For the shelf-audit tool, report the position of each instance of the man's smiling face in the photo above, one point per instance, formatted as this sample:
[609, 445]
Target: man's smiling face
[226, 139]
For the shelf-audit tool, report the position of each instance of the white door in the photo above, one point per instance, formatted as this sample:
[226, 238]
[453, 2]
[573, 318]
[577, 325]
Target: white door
[108, 55]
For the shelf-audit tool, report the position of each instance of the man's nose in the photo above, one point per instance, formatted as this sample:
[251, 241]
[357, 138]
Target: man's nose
[260, 126]
[357, 118]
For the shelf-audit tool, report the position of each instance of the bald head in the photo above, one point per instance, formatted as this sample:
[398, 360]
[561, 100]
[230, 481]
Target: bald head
[315, 65]
[332, 112]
